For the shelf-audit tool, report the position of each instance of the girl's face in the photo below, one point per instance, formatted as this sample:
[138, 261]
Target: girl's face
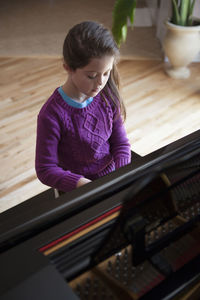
[90, 80]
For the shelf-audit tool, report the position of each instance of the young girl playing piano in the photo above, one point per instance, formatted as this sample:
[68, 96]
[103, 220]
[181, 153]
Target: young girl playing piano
[80, 130]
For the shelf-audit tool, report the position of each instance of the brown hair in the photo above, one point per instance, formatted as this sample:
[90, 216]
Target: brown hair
[89, 40]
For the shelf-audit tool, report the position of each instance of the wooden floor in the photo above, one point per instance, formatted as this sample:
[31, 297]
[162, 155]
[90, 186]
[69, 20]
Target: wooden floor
[160, 110]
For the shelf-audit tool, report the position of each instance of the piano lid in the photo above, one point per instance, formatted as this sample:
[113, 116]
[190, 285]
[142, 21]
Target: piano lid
[43, 211]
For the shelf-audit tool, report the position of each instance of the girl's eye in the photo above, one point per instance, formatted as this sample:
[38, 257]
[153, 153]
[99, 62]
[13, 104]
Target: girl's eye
[91, 77]
[94, 76]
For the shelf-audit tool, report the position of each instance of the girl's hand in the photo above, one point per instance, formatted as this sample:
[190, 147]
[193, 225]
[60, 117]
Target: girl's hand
[82, 181]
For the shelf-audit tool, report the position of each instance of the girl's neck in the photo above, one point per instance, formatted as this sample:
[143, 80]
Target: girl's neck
[70, 92]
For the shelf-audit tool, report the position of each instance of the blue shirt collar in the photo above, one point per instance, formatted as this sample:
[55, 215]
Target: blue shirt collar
[72, 102]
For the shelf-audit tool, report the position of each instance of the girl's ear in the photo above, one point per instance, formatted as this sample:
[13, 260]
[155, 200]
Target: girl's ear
[66, 67]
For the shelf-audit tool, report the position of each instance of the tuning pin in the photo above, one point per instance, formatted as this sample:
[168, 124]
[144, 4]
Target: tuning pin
[141, 267]
[87, 288]
[163, 228]
[118, 261]
[95, 290]
[78, 290]
[192, 211]
[96, 284]
[117, 275]
[156, 234]
[103, 294]
[133, 272]
[126, 254]
[109, 267]
[125, 276]
[198, 208]
[148, 238]
[186, 214]
[171, 226]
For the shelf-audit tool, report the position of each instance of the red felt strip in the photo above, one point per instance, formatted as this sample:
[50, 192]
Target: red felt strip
[68, 235]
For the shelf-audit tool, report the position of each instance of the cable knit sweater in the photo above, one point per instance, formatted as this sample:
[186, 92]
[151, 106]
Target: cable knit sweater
[78, 142]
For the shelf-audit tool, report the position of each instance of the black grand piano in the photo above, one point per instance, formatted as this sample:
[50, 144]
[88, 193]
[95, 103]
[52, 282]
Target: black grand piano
[133, 234]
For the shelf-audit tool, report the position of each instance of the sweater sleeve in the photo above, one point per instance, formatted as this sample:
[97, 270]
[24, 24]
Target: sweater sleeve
[119, 143]
[46, 161]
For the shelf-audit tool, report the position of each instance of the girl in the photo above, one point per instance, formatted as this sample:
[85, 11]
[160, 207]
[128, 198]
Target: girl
[80, 131]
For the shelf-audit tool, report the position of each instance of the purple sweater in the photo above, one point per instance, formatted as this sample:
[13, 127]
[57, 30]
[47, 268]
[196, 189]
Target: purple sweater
[78, 142]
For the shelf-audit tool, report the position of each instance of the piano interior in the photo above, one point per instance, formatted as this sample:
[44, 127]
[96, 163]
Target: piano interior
[132, 235]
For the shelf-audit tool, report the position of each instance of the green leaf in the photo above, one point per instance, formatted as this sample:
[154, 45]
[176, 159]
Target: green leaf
[123, 10]
[182, 11]
[124, 33]
[184, 8]
[191, 8]
[132, 11]
[175, 15]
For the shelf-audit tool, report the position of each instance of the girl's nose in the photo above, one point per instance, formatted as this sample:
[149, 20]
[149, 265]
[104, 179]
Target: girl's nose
[100, 80]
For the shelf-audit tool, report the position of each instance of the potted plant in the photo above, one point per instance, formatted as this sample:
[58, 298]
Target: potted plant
[123, 11]
[182, 40]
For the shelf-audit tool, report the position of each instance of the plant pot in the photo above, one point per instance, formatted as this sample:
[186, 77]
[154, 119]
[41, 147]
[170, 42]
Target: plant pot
[181, 45]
